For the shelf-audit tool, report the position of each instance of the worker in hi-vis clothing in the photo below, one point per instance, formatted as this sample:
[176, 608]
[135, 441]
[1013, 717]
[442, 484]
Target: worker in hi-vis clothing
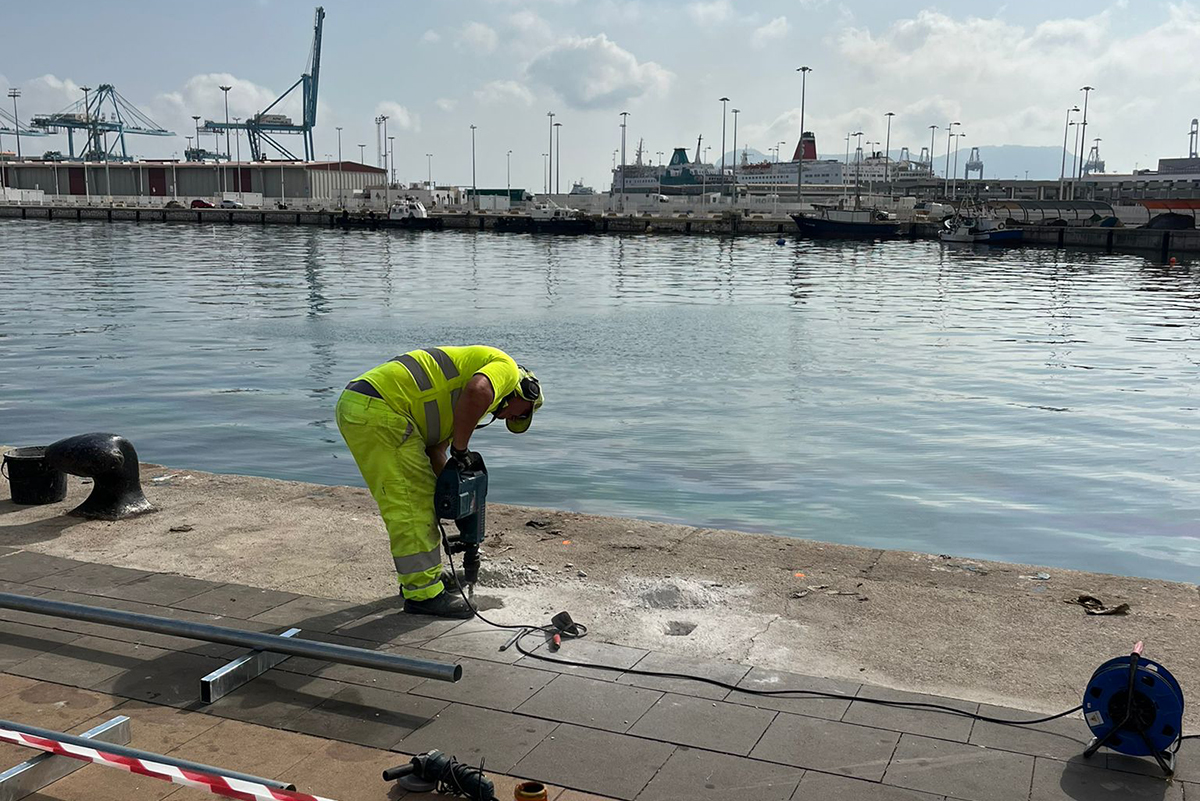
[398, 420]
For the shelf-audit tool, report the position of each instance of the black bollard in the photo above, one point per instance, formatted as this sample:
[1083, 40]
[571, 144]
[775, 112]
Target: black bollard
[112, 463]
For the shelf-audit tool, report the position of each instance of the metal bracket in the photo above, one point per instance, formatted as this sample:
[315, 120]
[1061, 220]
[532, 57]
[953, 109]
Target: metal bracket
[44, 769]
[224, 680]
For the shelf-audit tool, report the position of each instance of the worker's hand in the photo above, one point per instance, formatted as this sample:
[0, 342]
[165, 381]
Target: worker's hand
[467, 461]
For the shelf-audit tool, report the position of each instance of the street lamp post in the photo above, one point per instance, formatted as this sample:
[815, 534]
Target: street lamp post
[954, 180]
[800, 148]
[858, 156]
[341, 172]
[550, 154]
[196, 119]
[724, 103]
[546, 172]
[932, 132]
[949, 128]
[1087, 90]
[887, 152]
[392, 155]
[508, 174]
[624, 121]
[386, 170]
[238, 169]
[429, 173]
[14, 93]
[474, 186]
[1062, 173]
[735, 155]
[224, 89]
[1074, 157]
[558, 159]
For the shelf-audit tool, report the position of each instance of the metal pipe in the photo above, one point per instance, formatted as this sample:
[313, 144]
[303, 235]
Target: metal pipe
[134, 753]
[330, 652]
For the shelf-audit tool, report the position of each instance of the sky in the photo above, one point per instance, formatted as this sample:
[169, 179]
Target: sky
[1007, 72]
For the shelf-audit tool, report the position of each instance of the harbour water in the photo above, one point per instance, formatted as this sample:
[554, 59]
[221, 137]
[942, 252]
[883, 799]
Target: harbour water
[1031, 405]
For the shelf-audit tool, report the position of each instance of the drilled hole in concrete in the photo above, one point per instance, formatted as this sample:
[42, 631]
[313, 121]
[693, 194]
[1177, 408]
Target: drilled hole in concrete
[679, 628]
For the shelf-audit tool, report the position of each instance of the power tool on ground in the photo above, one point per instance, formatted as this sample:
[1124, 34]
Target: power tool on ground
[461, 495]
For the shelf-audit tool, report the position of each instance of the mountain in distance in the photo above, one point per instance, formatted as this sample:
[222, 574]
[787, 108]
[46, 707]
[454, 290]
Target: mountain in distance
[1004, 162]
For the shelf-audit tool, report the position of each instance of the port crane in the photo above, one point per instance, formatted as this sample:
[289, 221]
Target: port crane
[266, 126]
[12, 126]
[98, 115]
[974, 164]
[1094, 163]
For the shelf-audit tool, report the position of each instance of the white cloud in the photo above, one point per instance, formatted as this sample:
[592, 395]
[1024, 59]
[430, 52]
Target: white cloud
[713, 12]
[503, 92]
[477, 38]
[431, 36]
[445, 103]
[595, 73]
[773, 31]
[399, 117]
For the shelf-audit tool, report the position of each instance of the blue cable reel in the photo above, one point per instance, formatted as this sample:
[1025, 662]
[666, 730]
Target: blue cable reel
[1134, 706]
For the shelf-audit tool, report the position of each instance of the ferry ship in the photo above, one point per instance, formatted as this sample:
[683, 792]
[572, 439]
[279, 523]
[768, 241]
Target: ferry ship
[681, 176]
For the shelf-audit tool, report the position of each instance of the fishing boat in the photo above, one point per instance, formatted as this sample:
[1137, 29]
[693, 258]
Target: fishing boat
[978, 229]
[834, 223]
[408, 212]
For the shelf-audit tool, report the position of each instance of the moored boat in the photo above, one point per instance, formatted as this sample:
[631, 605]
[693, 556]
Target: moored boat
[831, 223]
[978, 229]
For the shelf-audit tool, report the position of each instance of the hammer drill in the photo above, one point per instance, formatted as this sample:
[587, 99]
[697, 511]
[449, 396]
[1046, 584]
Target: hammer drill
[460, 495]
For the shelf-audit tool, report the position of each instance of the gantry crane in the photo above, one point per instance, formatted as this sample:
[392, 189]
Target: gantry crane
[12, 126]
[99, 115]
[264, 126]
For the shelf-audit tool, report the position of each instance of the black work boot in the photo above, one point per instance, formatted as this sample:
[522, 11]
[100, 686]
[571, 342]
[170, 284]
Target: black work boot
[449, 580]
[444, 604]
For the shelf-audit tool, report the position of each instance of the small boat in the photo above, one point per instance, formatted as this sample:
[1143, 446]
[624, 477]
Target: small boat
[834, 223]
[547, 217]
[408, 212]
[579, 189]
[978, 229]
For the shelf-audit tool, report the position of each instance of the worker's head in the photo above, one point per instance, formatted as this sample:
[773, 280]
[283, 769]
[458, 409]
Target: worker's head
[517, 409]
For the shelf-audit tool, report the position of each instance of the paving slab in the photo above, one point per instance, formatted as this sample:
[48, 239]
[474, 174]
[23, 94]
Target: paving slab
[346, 772]
[928, 722]
[173, 680]
[369, 677]
[588, 702]
[98, 783]
[1061, 739]
[154, 727]
[14, 684]
[90, 578]
[702, 723]
[394, 626]
[25, 566]
[829, 746]
[274, 699]
[816, 786]
[367, 716]
[660, 662]
[1187, 763]
[488, 684]
[1077, 780]
[162, 589]
[314, 614]
[595, 761]
[87, 661]
[22, 589]
[247, 748]
[694, 774]
[20, 642]
[236, 600]
[969, 772]
[472, 734]
[589, 651]
[813, 705]
[475, 639]
[53, 706]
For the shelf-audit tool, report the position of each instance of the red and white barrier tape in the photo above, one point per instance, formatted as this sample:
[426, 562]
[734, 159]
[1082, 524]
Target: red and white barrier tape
[212, 783]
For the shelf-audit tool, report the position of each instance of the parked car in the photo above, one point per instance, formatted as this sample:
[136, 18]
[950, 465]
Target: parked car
[231, 204]
[201, 204]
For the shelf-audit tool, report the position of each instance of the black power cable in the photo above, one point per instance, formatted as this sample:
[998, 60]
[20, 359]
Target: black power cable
[526, 630]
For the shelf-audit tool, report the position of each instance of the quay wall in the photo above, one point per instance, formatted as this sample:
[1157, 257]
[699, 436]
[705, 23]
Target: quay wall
[1164, 244]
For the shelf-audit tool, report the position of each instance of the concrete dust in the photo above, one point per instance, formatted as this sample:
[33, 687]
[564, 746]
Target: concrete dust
[982, 631]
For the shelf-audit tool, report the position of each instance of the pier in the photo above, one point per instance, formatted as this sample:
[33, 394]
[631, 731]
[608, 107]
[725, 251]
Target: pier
[1160, 243]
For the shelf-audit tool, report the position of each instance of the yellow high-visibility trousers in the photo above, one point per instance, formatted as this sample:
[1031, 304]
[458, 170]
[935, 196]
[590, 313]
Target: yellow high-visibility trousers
[391, 456]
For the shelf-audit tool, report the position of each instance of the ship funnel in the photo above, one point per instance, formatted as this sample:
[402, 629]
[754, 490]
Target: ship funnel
[808, 144]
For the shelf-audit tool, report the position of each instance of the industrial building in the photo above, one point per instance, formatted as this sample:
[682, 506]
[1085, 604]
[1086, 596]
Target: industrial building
[157, 182]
